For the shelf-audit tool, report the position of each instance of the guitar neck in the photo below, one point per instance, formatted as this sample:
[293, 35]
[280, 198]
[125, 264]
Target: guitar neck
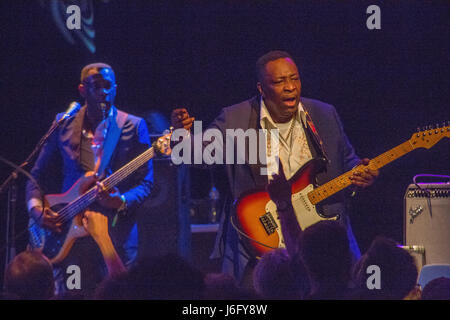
[343, 181]
[128, 169]
[82, 202]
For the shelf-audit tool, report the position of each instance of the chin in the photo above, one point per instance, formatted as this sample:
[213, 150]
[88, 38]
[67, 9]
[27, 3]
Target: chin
[291, 111]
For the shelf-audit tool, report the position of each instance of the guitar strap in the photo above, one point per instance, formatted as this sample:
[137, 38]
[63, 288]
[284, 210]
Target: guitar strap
[109, 145]
[309, 125]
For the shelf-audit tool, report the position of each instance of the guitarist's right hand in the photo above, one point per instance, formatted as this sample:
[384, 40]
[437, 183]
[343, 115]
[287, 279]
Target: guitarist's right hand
[46, 219]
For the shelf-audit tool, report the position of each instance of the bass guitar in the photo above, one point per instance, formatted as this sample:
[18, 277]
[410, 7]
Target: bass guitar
[70, 205]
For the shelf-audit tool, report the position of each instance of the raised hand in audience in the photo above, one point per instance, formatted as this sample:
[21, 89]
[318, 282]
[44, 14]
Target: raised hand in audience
[96, 224]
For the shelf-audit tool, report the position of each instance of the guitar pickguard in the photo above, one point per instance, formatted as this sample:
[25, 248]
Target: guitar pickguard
[305, 212]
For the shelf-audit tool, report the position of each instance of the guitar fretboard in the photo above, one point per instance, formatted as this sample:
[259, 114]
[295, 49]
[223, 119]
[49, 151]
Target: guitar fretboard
[82, 202]
[337, 184]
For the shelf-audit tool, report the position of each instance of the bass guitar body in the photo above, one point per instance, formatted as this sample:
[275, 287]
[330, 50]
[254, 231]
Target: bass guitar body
[57, 245]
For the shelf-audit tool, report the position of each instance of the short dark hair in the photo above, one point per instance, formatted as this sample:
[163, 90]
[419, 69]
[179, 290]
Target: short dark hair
[399, 270]
[437, 289]
[97, 66]
[266, 58]
[277, 276]
[165, 277]
[326, 252]
[30, 276]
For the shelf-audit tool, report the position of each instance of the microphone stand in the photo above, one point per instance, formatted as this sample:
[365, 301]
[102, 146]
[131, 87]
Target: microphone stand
[10, 184]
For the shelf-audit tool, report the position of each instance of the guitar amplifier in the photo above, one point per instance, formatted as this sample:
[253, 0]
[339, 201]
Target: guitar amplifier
[427, 222]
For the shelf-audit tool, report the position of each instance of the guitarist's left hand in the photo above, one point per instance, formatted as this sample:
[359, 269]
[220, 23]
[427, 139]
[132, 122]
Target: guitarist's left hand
[110, 199]
[365, 176]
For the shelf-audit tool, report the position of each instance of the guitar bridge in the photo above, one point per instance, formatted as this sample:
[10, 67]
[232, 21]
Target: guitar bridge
[268, 223]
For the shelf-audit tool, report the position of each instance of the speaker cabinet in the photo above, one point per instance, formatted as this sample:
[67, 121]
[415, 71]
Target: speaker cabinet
[203, 240]
[163, 219]
[427, 222]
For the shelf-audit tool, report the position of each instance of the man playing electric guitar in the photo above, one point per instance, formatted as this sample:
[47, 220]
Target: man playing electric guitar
[303, 124]
[93, 143]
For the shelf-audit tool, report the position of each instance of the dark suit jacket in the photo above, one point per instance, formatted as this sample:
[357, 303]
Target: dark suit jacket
[244, 177]
[58, 165]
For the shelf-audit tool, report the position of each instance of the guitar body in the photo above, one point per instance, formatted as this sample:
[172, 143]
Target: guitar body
[56, 246]
[257, 213]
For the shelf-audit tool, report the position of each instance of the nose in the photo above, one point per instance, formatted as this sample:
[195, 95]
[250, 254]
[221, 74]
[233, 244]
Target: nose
[290, 85]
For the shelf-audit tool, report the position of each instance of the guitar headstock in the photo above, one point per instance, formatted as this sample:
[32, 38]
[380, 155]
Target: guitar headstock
[430, 135]
[162, 144]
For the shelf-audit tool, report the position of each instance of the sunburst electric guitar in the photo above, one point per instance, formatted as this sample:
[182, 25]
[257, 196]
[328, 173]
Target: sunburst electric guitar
[257, 214]
[71, 205]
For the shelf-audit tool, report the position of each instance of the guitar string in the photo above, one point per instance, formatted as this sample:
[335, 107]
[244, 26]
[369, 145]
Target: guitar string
[87, 198]
[109, 182]
[384, 158]
[82, 202]
[322, 192]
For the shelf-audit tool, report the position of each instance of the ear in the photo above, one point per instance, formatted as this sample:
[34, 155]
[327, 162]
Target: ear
[260, 89]
[82, 90]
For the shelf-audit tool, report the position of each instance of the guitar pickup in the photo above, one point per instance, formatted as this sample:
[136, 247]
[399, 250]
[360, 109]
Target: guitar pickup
[268, 223]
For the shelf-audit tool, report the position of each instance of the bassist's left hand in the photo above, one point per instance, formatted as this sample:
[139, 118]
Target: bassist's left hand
[363, 175]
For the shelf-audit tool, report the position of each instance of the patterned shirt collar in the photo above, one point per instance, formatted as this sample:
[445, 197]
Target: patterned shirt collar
[266, 120]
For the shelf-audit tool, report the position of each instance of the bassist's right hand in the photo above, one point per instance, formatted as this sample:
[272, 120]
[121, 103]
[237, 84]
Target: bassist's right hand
[46, 219]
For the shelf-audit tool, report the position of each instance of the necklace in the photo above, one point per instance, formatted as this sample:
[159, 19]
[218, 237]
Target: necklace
[291, 127]
[285, 139]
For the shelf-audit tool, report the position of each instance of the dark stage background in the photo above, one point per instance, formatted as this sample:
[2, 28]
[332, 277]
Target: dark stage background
[201, 55]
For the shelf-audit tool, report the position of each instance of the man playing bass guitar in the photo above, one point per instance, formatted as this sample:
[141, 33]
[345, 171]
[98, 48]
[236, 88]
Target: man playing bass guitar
[93, 143]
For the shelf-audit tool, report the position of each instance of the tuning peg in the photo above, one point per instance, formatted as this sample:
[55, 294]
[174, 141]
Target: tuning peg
[430, 127]
[424, 130]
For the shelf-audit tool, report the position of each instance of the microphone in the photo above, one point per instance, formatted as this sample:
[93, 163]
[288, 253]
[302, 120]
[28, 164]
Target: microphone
[73, 108]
